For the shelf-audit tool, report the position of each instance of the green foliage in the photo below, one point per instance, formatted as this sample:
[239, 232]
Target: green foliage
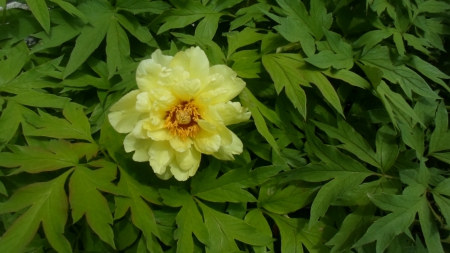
[348, 148]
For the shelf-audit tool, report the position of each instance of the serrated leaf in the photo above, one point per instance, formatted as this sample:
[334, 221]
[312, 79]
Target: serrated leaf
[34, 98]
[384, 230]
[91, 36]
[295, 234]
[56, 155]
[40, 11]
[287, 199]
[189, 220]
[76, 126]
[229, 187]
[140, 6]
[240, 39]
[85, 198]
[352, 228]
[284, 70]
[405, 77]
[9, 121]
[117, 48]
[48, 203]
[141, 214]
[224, 229]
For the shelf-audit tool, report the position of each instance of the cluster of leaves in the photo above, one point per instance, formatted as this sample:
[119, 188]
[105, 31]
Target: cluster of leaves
[348, 148]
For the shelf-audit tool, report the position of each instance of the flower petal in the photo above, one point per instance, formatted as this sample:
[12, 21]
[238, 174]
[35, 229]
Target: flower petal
[147, 75]
[194, 61]
[166, 175]
[187, 89]
[207, 142]
[232, 112]
[226, 152]
[123, 117]
[161, 155]
[160, 135]
[140, 146]
[189, 159]
[163, 60]
[178, 173]
[179, 144]
[224, 85]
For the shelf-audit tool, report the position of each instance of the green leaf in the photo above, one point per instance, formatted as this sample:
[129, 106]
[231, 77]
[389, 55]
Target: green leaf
[76, 126]
[256, 219]
[9, 121]
[372, 38]
[224, 229]
[443, 187]
[189, 220]
[85, 198]
[141, 214]
[387, 148]
[240, 39]
[141, 6]
[284, 70]
[58, 35]
[429, 228]
[433, 6]
[34, 98]
[117, 48]
[384, 230]
[439, 137]
[247, 100]
[229, 187]
[286, 199]
[348, 77]
[40, 11]
[352, 140]
[69, 8]
[444, 205]
[245, 15]
[445, 157]
[429, 71]
[91, 36]
[135, 28]
[13, 64]
[295, 234]
[55, 155]
[186, 13]
[48, 203]
[405, 77]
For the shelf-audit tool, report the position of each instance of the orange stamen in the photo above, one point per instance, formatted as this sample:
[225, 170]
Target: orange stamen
[182, 119]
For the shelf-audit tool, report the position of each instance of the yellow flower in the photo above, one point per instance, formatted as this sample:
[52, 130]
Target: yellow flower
[181, 109]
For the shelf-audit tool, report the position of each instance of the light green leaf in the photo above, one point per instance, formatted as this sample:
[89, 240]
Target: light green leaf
[69, 8]
[40, 11]
[240, 39]
[443, 187]
[372, 38]
[348, 77]
[256, 219]
[13, 64]
[189, 220]
[117, 48]
[433, 6]
[76, 126]
[34, 98]
[135, 28]
[58, 35]
[428, 70]
[91, 36]
[48, 203]
[9, 121]
[85, 198]
[141, 214]
[56, 155]
[327, 58]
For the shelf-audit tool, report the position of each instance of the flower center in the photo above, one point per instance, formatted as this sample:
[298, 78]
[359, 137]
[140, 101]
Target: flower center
[182, 119]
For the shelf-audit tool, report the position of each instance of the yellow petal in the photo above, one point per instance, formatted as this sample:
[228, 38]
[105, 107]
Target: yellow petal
[147, 75]
[224, 85]
[178, 173]
[226, 152]
[207, 142]
[232, 113]
[161, 155]
[189, 159]
[194, 61]
[160, 135]
[166, 175]
[139, 146]
[179, 144]
[163, 60]
[187, 89]
[123, 116]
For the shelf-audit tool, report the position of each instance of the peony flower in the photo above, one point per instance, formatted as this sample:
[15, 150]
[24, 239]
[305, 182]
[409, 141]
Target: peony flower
[181, 110]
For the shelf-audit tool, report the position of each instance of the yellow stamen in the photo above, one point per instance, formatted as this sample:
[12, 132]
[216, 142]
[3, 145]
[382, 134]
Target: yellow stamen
[182, 119]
